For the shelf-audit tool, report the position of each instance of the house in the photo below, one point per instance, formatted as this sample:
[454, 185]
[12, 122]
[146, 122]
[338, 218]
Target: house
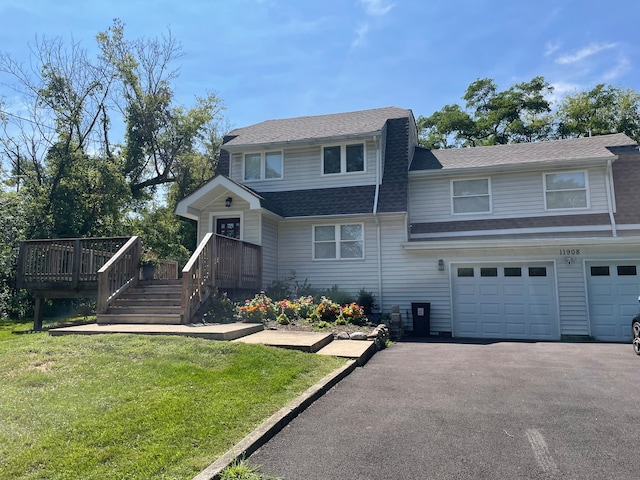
[523, 241]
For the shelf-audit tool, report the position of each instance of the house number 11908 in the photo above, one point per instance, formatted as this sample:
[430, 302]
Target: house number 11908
[570, 251]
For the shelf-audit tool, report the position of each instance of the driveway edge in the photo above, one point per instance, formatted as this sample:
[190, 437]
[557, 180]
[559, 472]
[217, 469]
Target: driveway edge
[276, 422]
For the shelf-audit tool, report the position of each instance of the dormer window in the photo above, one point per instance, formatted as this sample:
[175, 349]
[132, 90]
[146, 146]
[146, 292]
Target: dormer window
[262, 166]
[347, 158]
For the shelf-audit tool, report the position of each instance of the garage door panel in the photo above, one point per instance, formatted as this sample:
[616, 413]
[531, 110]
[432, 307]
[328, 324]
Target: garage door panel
[515, 290]
[467, 308]
[491, 329]
[506, 306]
[540, 329]
[517, 329]
[490, 309]
[489, 290]
[514, 309]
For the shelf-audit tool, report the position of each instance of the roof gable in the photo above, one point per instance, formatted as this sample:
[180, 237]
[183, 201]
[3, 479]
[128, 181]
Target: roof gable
[314, 128]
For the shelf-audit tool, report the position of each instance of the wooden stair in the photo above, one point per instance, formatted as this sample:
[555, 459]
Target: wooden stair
[149, 302]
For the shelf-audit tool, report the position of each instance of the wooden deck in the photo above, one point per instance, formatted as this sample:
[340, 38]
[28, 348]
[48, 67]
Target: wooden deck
[104, 268]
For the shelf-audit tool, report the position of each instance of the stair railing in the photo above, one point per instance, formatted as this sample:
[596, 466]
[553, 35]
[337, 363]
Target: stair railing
[119, 273]
[198, 277]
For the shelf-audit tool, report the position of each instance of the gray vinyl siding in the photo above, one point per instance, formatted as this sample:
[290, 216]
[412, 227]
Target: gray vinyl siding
[303, 170]
[269, 251]
[572, 299]
[240, 208]
[295, 257]
[513, 195]
[251, 227]
[411, 276]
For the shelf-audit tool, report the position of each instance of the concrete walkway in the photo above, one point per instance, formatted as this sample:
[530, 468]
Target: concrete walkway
[313, 342]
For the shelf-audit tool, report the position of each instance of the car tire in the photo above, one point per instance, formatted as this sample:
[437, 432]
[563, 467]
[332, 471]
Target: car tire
[635, 328]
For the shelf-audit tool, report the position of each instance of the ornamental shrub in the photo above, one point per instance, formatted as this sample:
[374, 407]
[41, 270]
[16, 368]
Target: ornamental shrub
[328, 310]
[260, 309]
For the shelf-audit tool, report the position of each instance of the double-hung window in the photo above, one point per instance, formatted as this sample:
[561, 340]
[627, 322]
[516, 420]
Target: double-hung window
[263, 166]
[566, 190]
[338, 242]
[471, 196]
[348, 158]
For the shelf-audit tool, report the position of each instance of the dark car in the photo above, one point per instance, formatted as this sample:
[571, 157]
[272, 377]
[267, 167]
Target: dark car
[635, 331]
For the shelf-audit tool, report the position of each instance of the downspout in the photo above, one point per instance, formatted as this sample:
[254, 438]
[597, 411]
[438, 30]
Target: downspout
[610, 199]
[376, 139]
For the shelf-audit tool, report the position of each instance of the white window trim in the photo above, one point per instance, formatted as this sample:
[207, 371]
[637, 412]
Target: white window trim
[566, 209]
[337, 242]
[489, 194]
[213, 216]
[343, 158]
[263, 166]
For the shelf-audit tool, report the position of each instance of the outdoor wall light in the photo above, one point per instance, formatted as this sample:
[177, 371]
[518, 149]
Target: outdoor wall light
[441, 265]
[228, 201]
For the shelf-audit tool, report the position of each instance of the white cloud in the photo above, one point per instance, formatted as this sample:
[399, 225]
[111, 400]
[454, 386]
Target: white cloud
[361, 35]
[583, 53]
[619, 69]
[376, 8]
[551, 48]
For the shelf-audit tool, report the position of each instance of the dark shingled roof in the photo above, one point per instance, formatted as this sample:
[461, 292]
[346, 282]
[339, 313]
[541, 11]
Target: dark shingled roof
[393, 191]
[520, 153]
[320, 201]
[314, 127]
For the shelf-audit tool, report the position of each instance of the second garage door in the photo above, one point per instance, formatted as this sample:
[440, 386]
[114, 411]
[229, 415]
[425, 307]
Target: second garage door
[505, 301]
[613, 298]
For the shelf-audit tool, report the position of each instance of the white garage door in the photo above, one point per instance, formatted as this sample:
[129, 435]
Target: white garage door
[613, 289]
[505, 301]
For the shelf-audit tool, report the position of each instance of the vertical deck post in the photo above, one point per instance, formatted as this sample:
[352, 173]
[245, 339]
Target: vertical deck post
[38, 314]
[75, 269]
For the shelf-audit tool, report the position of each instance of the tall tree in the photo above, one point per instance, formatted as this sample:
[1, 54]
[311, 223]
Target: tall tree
[601, 110]
[491, 117]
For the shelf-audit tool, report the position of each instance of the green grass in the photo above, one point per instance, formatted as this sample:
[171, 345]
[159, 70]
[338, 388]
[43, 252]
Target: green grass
[135, 407]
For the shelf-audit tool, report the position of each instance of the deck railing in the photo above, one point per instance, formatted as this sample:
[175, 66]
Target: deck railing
[64, 263]
[119, 273]
[198, 277]
[219, 262]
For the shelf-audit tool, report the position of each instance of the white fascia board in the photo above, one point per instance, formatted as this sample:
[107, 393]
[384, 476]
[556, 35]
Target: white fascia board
[184, 207]
[518, 243]
[520, 167]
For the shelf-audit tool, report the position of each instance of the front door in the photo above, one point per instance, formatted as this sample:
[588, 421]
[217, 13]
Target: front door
[229, 227]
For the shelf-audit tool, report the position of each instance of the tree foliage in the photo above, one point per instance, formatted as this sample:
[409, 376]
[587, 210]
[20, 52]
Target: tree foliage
[76, 179]
[526, 113]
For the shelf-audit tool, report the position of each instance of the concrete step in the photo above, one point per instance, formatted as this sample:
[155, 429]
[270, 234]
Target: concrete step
[305, 341]
[156, 318]
[361, 350]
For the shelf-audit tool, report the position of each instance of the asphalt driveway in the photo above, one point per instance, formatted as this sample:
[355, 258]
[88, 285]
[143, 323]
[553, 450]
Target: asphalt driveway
[501, 410]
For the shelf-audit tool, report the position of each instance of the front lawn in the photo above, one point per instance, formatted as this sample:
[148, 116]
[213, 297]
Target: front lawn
[136, 407]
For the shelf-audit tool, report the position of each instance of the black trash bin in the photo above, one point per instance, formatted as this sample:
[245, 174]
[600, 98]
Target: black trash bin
[421, 312]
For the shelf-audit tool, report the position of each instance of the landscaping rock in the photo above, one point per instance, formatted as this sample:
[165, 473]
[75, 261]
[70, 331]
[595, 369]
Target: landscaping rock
[358, 336]
[343, 336]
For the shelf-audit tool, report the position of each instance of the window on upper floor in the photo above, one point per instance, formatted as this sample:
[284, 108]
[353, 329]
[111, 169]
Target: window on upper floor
[348, 158]
[338, 242]
[471, 196]
[263, 166]
[565, 190]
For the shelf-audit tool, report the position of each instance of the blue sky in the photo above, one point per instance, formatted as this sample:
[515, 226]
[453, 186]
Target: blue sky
[284, 58]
